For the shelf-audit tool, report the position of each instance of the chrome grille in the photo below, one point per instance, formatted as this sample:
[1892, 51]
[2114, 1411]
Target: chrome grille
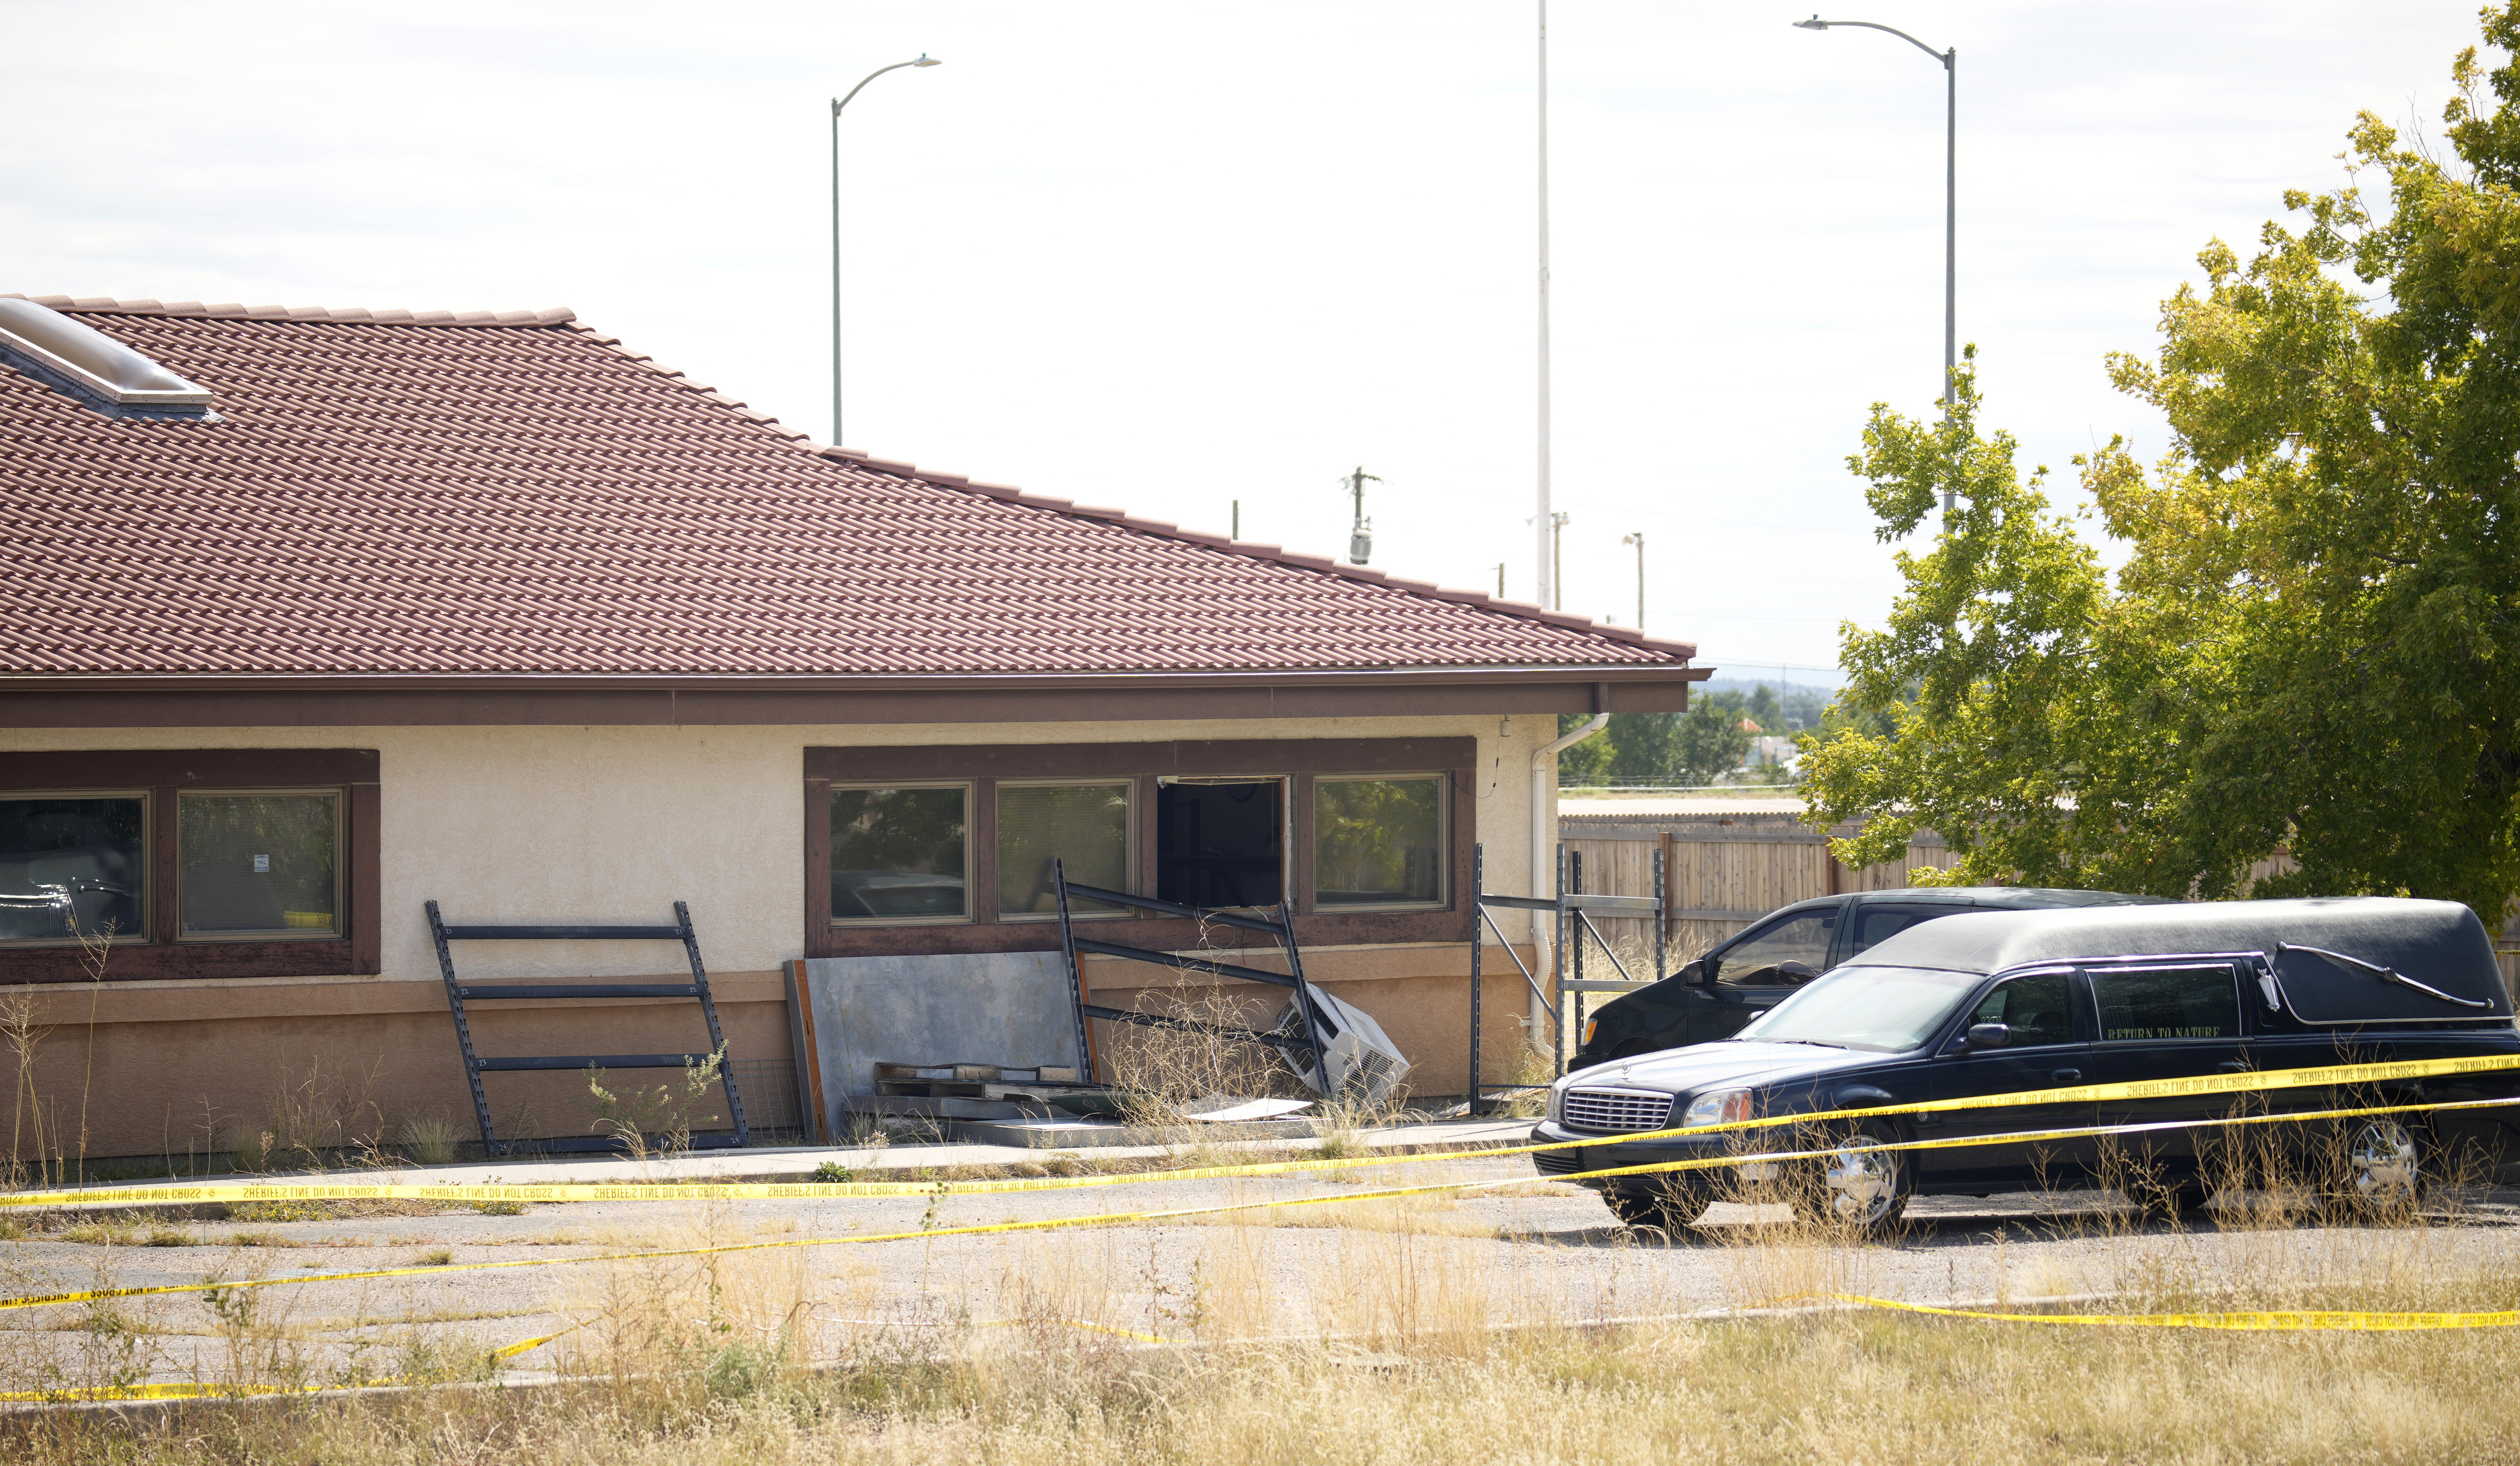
[1616, 1110]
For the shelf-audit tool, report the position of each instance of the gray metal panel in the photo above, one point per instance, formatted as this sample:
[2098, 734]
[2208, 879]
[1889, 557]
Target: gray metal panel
[1007, 1008]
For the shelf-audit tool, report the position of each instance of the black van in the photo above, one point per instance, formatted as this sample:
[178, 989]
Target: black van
[2008, 1002]
[1760, 966]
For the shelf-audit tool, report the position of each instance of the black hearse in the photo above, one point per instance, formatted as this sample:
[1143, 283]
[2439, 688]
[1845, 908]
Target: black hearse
[1763, 964]
[2004, 1002]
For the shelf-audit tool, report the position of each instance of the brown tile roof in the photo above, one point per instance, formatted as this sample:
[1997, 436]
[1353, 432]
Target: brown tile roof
[453, 494]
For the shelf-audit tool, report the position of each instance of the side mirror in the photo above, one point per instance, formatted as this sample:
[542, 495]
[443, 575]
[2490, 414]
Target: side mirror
[1989, 1034]
[1697, 974]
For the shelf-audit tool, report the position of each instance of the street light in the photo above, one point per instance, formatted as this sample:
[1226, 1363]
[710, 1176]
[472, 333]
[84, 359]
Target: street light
[1951, 61]
[837, 106]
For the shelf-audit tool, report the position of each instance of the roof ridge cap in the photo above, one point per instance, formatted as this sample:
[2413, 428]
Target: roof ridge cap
[351, 315]
[1250, 550]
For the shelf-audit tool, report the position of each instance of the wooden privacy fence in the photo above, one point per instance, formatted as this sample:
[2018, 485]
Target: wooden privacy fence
[1724, 870]
[1729, 868]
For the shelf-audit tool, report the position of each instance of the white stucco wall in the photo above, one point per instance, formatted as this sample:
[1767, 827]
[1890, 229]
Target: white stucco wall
[613, 823]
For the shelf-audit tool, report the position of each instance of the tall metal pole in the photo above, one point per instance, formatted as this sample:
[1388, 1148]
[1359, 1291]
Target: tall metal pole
[1951, 228]
[1639, 540]
[1546, 523]
[838, 104]
[1951, 60]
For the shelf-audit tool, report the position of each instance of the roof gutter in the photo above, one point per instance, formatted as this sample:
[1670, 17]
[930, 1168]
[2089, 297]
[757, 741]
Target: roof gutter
[1544, 783]
[781, 681]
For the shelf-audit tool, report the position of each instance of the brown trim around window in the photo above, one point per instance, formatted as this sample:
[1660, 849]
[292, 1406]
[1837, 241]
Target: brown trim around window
[1295, 759]
[165, 772]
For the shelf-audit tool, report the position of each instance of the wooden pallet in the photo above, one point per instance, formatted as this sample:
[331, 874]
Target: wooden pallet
[977, 1074]
[988, 1082]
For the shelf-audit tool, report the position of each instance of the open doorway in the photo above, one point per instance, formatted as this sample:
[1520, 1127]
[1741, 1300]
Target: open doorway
[1221, 843]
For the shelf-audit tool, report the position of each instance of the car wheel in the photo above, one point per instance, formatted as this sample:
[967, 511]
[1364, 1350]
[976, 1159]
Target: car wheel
[1859, 1190]
[2385, 1166]
[1665, 1209]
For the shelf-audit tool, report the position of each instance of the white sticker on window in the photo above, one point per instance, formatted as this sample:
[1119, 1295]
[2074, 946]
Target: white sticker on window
[262, 864]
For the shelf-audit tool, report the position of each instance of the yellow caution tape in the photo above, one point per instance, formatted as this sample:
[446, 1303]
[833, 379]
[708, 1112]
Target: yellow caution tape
[2243, 1082]
[187, 1390]
[2267, 1321]
[1336, 1198]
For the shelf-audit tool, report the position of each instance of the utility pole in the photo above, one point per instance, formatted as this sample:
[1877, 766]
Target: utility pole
[1500, 580]
[1237, 519]
[1639, 540]
[1548, 588]
[1360, 535]
[1557, 560]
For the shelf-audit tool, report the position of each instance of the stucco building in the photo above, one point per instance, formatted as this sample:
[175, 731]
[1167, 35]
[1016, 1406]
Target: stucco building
[338, 612]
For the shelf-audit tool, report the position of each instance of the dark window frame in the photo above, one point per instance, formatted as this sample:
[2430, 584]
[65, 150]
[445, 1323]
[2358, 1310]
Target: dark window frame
[341, 797]
[148, 862]
[1134, 859]
[1296, 760]
[1443, 837]
[165, 773]
[970, 857]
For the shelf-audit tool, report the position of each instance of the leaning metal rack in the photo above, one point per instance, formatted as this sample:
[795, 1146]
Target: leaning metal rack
[1570, 919]
[459, 993]
[1282, 929]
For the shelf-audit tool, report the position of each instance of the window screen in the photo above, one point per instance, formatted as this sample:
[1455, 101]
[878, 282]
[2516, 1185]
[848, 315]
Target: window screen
[2172, 1003]
[259, 865]
[72, 863]
[1084, 825]
[899, 852]
[2035, 1008]
[1221, 844]
[1757, 960]
[1377, 842]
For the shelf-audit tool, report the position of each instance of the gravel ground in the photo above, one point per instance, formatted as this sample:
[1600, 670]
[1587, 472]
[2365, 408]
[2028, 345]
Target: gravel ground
[1539, 1251]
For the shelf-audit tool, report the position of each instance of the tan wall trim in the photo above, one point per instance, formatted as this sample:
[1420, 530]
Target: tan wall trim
[213, 1001]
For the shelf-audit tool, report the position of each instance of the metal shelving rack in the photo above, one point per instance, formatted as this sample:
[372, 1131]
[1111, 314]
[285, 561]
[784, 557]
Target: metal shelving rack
[459, 993]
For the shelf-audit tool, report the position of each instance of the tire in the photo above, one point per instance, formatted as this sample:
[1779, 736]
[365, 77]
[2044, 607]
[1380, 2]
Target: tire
[1667, 1210]
[2387, 1167]
[1858, 1191]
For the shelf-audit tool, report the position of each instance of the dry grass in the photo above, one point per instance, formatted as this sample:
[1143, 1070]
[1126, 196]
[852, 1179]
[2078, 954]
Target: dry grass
[1422, 1335]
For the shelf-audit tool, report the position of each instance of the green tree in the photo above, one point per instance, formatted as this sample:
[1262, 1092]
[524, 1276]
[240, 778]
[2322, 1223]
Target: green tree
[1585, 765]
[1712, 740]
[2307, 646]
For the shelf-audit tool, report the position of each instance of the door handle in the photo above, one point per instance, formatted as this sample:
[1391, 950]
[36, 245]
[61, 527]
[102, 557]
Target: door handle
[2234, 1066]
[2068, 1076]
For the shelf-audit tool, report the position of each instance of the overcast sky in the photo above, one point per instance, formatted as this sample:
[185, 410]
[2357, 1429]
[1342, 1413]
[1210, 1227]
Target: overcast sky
[1170, 255]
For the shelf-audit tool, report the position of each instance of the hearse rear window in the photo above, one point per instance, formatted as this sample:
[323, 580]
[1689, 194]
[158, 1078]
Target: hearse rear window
[2150, 1003]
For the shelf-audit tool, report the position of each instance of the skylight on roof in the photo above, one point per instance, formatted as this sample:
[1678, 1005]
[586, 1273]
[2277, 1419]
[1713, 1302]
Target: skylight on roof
[85, 363]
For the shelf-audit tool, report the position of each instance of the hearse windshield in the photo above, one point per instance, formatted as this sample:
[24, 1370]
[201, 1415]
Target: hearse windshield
[1885, 1010]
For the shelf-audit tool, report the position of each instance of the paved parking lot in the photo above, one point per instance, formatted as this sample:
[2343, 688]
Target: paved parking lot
[1533, 1251]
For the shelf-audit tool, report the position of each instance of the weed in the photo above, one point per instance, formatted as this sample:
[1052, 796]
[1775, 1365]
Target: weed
[441, 1258]
[169, 1236]
[634, 1115]
[833, 1172]
[500, 1208]
[429, 1139]
[261, 1239]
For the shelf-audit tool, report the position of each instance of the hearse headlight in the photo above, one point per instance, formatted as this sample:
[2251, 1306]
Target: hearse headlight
[1556, 1107]
[1718, 1107]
